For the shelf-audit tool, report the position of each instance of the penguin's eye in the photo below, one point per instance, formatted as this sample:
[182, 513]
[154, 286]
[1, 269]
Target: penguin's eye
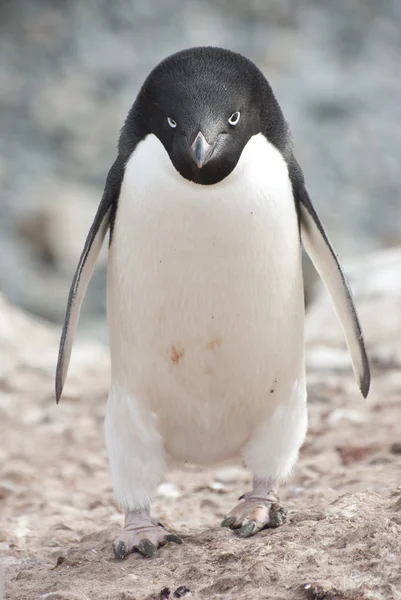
[171, 122]
[235, 117]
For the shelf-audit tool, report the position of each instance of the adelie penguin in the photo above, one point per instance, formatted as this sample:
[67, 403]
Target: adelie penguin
[206, 207]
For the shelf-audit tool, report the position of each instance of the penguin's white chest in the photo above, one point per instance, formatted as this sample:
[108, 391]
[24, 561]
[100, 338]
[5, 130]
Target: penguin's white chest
[205, 299]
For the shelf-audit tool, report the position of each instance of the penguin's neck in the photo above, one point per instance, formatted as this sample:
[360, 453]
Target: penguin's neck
[247, 222]
[258, 193]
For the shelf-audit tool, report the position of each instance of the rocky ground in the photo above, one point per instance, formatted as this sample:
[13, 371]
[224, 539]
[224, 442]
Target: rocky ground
[69, 71]
[342, 537]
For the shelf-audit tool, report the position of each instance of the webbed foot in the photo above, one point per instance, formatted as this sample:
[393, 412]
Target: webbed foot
[257, 510]
[143, 535]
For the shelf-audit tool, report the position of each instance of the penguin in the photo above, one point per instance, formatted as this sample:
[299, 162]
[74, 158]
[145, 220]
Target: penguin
[207, 211]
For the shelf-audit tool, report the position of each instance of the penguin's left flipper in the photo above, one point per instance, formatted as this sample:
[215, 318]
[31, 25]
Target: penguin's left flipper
[84, 271]
[320, 250]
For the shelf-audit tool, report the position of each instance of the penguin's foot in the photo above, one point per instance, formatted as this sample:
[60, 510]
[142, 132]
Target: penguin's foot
[142, 534]
[257, 510]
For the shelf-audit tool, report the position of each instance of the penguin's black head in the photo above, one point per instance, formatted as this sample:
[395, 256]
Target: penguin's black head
[204, 104]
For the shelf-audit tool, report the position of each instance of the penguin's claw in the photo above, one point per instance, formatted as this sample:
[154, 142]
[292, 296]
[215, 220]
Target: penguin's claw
[146, 548]
[144, 540]
[254, 514]
[247, 530]
[228, 522]
[120, 550]
[173, 537]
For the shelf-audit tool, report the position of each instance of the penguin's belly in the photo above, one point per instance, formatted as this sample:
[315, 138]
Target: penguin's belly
[205, 299]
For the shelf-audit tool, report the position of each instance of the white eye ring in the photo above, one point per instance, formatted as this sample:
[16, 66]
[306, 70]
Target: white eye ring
[171, 122]
[235, 117]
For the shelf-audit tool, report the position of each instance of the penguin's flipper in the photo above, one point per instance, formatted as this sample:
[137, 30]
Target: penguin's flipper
[84, 271]
[319, 249]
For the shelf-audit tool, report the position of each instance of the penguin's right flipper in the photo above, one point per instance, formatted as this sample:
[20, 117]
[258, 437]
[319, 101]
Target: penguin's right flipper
[84, 271]
[320, 250]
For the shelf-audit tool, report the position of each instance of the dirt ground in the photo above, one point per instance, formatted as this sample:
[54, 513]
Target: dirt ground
[342, 538]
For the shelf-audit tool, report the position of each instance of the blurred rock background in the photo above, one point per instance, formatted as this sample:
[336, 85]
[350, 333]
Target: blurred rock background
[70, 70]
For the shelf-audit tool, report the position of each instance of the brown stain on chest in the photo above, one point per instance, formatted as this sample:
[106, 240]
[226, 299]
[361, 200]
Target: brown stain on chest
[176, 354]
[214, 344]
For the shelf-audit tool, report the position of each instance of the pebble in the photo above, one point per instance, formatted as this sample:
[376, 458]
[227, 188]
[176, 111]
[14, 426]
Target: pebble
[218, 487]
[168, 490]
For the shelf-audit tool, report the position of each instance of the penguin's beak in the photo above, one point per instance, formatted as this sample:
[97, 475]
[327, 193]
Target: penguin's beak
[201, 150]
